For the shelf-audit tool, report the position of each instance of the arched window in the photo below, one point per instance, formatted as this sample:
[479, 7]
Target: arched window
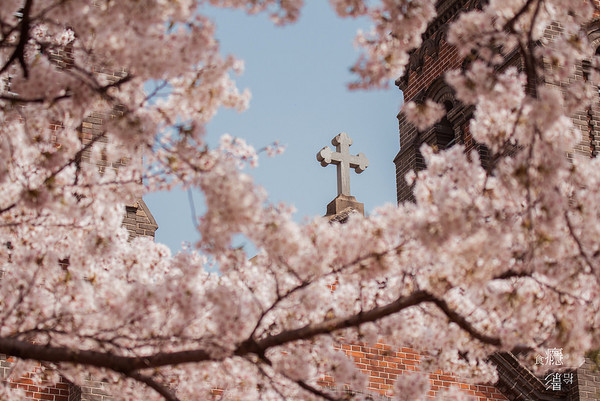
[445, 136]
[442, 135]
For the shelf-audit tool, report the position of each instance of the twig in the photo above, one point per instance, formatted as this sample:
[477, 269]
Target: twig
[315, 391]
[158, 387]
[587, 261]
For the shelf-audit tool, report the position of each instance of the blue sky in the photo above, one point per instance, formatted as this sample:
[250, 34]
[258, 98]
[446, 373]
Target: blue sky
[297, 75]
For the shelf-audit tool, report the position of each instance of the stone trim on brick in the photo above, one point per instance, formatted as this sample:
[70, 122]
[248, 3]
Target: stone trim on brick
[139, 221]
[518, 383]
[588, 382]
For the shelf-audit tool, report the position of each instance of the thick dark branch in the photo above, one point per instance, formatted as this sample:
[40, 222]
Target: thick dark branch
[331, 325]
[526, 49]
[159, 388]
[19, 53]
[17, 99]
[122, 364]
[128, 365]
[530, 69]
[7, 208]
[464, 324]
[509, 26]
[511, 274]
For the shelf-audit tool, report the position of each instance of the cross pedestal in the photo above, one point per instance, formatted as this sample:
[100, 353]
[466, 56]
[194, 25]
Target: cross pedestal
[344, 161]
[342, 203]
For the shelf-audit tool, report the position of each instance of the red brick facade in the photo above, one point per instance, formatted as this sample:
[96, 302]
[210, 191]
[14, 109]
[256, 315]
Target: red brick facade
[383, 365]
[35, 390]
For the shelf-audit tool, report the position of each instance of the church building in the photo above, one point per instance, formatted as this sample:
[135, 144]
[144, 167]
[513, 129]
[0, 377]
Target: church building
[424, 79]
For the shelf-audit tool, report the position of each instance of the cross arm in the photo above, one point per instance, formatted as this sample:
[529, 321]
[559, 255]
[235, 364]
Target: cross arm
[326, 157]
[359, 163]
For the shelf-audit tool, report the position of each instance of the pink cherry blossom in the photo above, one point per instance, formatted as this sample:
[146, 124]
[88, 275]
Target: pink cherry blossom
[496, 258]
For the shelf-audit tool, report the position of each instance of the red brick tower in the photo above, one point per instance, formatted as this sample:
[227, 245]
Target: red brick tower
[424, 79]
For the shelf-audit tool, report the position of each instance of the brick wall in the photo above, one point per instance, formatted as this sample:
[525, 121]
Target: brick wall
[32, 387]
[93, 390]
[424, 76]
[382, 365]
[420, 82]
[588, 382]
[434, 66]
[139, 221]
[586, 120]
[43, 390]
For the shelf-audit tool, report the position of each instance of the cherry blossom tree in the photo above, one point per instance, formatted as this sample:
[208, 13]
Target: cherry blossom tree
[504, 258]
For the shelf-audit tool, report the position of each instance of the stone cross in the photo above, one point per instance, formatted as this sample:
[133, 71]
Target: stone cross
[344, 161]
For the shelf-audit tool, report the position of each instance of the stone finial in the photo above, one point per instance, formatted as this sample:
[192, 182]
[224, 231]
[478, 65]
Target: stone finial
[344, 161]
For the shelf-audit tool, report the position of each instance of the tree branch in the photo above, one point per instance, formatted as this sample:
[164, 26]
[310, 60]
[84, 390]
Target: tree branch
[331, 325]
[17, 99]
[122, 364]
[158, 387]
[509, 25]
[19, 53]
[584, 256]
[511, 274]
[464, 324]
[128, 365]
[315, 391]
[7, 208]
